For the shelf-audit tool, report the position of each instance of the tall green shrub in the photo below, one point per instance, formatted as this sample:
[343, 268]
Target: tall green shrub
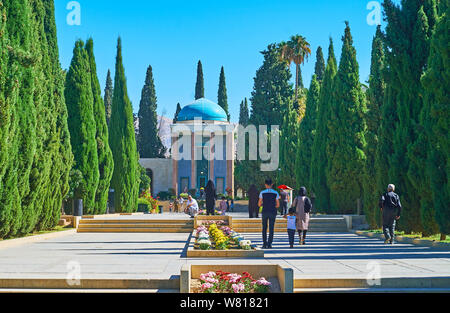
[435, 121]
[319, 69]
[108, 96]
[149, 142]
[222, 98]
[82, 126]
[200, 85]
[406, 61]
[305, 136]
[319, 160]
[125, 180]
[104, 154]
[375, 97]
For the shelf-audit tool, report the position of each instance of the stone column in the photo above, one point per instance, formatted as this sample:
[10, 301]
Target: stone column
[175, 163]
[193, 163]
[211, 156]
[230, 161]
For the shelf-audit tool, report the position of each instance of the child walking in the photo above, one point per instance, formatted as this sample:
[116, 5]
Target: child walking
[291, 226]
[223, 205]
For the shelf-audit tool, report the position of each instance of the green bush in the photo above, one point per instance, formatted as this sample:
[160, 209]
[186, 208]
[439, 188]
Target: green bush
[144, 201]
[164, 195]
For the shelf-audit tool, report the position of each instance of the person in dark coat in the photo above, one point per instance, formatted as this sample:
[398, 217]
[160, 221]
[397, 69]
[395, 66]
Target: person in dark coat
[211, 197]
[303, 207]
[391, 209]
[253, 198]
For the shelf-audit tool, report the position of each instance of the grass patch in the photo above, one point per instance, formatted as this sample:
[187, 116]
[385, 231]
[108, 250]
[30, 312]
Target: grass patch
[436, 237]
[42, 232]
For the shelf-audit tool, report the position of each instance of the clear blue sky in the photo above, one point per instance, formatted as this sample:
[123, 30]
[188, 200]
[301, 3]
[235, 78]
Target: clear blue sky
[173, 35]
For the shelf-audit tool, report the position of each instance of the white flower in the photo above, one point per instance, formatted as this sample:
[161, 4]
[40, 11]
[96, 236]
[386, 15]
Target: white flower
[245, 244]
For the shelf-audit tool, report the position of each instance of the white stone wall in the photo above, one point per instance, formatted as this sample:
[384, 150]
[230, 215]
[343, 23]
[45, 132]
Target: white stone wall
[162, 173]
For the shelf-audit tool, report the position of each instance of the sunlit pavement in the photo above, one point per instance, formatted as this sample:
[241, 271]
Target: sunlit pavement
[139, 256]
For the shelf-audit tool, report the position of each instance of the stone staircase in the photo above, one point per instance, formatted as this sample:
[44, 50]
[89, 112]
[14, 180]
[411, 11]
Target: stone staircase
[317, 224]
[98, 225]
[241, 225]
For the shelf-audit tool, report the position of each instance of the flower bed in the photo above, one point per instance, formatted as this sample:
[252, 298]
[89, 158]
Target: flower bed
[213, 239]
[217, 237]
[223, 282]
[220, 220]
[223, 276]
[204, 212]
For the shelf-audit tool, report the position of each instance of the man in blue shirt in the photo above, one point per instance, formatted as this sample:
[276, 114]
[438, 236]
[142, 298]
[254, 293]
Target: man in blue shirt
[269, 199]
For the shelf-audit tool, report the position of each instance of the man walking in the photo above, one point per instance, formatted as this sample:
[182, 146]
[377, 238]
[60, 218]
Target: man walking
[269, 199]
[391, 209]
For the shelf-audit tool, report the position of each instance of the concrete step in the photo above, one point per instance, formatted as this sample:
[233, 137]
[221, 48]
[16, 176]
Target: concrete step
[328, 224]
[134, 230]
[386, 283]
[63, 222]
[312, 220]
[372, 290]
[81, 291]
[135, 226]
[258, 230]
[90, 284]
[130, 221]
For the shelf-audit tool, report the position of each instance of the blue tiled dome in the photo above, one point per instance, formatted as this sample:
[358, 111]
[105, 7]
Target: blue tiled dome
[204, 109]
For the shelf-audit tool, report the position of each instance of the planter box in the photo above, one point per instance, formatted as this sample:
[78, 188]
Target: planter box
[232, 253]
[199, 219]
[282, 278]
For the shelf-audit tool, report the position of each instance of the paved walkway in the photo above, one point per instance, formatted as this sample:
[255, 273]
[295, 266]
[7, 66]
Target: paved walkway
[327, 255]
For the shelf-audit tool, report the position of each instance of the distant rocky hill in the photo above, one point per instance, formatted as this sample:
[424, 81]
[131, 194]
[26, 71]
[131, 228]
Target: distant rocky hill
[164, 132]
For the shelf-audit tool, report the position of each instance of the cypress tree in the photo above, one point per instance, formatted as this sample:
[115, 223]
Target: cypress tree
[178, 110]
[222, 98]
[416, 152]
[125, 180]
[20, 133]
[39, 151]
[406, 61]
[434, 120]
[5, 109]
[300, 78]
[104, 154]
[305, 136]
[288, 146]
[61, 153]
[375, 96]
[108, 96]
[346, 132]
[271, 97]
[319, 160]
[199, 86]
[82, 126]
[320, 65]
[150, 145]
[243, 113]
[272, 90]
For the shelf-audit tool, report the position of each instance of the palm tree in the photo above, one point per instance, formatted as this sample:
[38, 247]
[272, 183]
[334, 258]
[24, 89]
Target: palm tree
[296, 50]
